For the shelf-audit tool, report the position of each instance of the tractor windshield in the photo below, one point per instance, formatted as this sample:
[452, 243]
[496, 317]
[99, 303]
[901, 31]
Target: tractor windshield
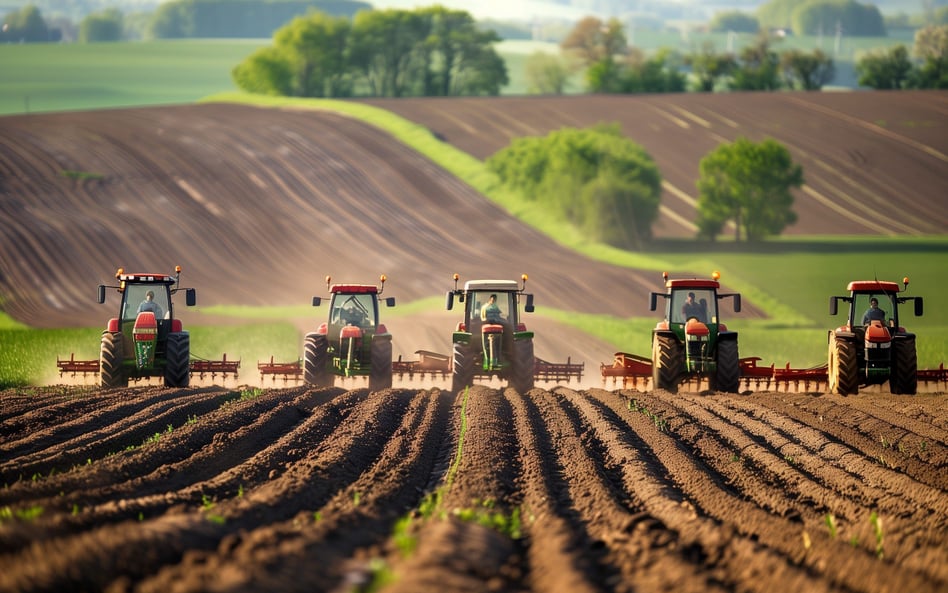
[146, 297]
[490, 306]
[873, 307]
[696, 303]
[354, 309]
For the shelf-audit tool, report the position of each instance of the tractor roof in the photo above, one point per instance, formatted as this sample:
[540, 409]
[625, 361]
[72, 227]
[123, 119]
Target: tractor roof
[354, 289]
[498, 285]
[147, 278]
[693, 283]
[873, 286]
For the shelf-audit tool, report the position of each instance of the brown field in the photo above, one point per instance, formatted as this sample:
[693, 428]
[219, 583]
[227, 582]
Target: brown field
[568, 488]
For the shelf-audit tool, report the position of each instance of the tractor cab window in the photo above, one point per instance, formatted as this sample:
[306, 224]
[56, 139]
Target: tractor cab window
[695, 303]
[145, 297]
[873, 307]
[490, 307]
[353, 309]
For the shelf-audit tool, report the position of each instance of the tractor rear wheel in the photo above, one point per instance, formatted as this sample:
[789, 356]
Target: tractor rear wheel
[462, 374]
[178, 360]
[842, 367]
[111, 354]
[380, 376]
[523, 366]
[728, 375]
[904, 375]
[668, 360]
[316, 360]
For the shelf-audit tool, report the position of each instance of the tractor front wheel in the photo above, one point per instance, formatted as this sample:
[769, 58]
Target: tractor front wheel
[842, 367]
[316, 360]
[523, 366]
[380, 376]
[111, 354]
[462, 374]
[904, 376]
[668, 361]
[728, 375]
[178, 360]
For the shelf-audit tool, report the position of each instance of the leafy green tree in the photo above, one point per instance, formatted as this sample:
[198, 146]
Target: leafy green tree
[546, 74]
[709, 67]
[316, 48]
[458, 58]
[596, 179]
[776, 14]
[267, 71]
[861, 20]
[748, 184]
[734, 20]
[888, 69]
[758, 67]
[26, 25]
[806, 71]
[931, 46]
[103, 26]
[172, 20]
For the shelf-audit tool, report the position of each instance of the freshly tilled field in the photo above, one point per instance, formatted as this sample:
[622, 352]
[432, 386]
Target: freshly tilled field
[302, 489]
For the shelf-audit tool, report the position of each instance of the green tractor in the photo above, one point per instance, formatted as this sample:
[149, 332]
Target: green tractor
[691, 342]
[353, 342]
[491, 341]
[145, 340]
[872, 347]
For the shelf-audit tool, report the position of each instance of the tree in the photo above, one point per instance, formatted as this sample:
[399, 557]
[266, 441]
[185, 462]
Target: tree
[885, 70]
[861, 20]
[316, 48]
[459, 57]
[546, 74]
[598, 180]
[758, 67]
[806, 71]
[709, 67]
[103, 26]
[736, 21]
[748, 184]
[267, 71]
[27, 25]
[593, 41]
[777, 14]
[931, 46]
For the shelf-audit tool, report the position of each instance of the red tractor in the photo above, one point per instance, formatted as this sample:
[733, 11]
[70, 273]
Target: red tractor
[872, 347]
[145, 340]
[353, 342]
[692, 341]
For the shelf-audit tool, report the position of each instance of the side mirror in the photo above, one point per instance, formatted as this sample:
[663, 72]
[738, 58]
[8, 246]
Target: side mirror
[529, 306]
[737, 303]
[918, 306]
[190, 297]
[101, 298]
[449, 300]
[317, 301]
[653, 302]
[834, 306]
[390, 302]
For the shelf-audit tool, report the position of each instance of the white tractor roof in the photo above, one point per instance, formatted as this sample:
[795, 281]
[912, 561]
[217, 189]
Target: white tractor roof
[498, 285]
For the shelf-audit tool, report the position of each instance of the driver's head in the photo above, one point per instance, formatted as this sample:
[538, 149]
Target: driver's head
[150, 295]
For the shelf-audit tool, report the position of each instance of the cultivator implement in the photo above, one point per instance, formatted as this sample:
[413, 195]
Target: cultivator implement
[288, 371]
[634, 371]
[198, 367]
[434, 364]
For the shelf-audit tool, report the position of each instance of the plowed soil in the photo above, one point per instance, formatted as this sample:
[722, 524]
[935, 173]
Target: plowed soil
[300, 489]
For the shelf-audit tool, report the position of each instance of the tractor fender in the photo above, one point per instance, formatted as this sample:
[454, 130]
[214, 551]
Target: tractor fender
[461, 337]
[842, 333]
[523, 335]
[663, 331]
[113, 325]
[903, 335]
[382, 331]
[323, 329]
[727, 335]
[176, 326]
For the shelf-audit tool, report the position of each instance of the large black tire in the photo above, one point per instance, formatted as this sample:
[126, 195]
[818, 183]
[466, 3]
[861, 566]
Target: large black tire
[380, 377]
[728, 375]
[668, 361]
[462, 373]
[111, 354]
[524, 363]
[904, 375]
[842, 366]
[316, 360]
[178, 360]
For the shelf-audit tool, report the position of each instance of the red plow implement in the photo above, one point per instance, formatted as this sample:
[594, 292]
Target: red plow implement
[632, 370]
[288, 371]
[198, 367]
